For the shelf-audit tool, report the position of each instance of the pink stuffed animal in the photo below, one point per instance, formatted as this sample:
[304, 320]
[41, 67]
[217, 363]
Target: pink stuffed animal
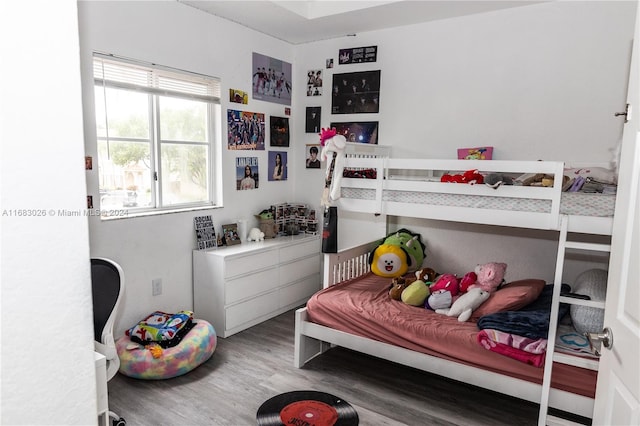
[490, 276]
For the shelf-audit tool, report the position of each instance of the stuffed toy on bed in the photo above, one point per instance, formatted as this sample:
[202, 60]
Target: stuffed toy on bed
[399, 252]
[489, 276]
[464, 306]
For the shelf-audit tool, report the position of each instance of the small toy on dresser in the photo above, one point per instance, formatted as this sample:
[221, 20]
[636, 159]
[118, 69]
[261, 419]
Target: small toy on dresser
[255, 234]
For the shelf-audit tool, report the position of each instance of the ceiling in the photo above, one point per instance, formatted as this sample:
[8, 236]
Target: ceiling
[299, 22]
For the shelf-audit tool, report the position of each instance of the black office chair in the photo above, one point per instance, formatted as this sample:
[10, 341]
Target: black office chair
[107, 283]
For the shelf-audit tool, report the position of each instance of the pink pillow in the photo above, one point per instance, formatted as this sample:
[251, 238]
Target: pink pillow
[511, 297]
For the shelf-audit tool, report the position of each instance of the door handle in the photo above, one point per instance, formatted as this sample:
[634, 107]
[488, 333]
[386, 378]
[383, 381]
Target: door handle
[606, 337]
[626, 113]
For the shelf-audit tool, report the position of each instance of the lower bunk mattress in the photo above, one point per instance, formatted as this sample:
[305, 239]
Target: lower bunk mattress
[362, 307]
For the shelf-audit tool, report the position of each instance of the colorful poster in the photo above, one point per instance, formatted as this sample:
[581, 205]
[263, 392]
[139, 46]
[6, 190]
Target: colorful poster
[271, 79]
[247, 176]
[238, 96]
[245, 130]
[277, 165]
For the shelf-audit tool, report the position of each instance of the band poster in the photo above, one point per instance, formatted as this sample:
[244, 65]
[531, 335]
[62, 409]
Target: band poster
[358, 55]
[271, 79]
[245, 130]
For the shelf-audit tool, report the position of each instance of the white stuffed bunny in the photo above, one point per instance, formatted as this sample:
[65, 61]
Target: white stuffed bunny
[466, 304]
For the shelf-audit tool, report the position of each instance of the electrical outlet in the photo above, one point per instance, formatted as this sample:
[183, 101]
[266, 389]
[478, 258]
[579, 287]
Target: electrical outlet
[156, 287]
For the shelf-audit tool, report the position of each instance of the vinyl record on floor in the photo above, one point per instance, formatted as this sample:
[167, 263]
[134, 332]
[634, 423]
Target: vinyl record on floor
[306, 408]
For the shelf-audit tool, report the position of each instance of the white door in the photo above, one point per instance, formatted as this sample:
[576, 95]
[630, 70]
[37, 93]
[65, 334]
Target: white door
[618, 390]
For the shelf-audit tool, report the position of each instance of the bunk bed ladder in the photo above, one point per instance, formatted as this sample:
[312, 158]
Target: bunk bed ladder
[544, 417]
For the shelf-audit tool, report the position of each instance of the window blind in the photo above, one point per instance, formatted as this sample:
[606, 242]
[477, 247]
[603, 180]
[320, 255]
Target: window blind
[111, 71]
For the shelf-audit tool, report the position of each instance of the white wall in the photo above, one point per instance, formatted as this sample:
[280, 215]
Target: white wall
[175, 35]
[535, 82]
[47, 359]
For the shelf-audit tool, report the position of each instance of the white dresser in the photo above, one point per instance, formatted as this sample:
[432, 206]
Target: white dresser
[236, 287]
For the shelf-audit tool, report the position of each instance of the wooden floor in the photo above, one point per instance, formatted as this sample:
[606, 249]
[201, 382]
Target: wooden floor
[252, 366]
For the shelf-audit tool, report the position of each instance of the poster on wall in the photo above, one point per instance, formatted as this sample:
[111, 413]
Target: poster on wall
[238, 96]
[358, 131]
[279, 131]
[358, 55]
[312, 120]
[313, 151]
[356, 93]
[271, 79]
[245, 130]
[314, 82]
[277, 165]
[247, 176]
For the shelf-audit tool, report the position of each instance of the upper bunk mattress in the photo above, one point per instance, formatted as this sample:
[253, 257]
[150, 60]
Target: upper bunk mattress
[572, 203]
[363, 307]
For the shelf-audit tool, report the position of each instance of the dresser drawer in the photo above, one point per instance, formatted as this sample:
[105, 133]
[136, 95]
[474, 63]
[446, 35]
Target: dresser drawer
[241, 313]
[250, 285]
[239, 265]
[299, 250]
[294, 271]
[301, 290]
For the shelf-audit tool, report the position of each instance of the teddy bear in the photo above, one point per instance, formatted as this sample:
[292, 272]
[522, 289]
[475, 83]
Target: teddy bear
[398, 285]
[464, 306]
[489, 276]
[255, 234]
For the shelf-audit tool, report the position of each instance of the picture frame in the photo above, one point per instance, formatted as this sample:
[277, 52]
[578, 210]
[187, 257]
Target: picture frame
[279, 127]
[356, 93]
[358, 131]
[230, 234]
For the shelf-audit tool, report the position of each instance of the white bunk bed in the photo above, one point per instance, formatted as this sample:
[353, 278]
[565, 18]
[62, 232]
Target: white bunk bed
[408, 187]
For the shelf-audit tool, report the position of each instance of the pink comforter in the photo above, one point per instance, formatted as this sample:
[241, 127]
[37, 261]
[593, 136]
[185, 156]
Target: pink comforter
[364, 308]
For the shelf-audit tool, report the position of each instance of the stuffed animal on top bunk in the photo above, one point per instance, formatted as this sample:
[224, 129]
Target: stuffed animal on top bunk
[470, 176]
[398, 253]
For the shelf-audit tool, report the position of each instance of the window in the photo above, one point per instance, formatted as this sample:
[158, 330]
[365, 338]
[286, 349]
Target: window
[157, 130]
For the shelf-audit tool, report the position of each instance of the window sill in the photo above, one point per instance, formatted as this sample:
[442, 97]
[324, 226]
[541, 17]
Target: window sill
[129, 214]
